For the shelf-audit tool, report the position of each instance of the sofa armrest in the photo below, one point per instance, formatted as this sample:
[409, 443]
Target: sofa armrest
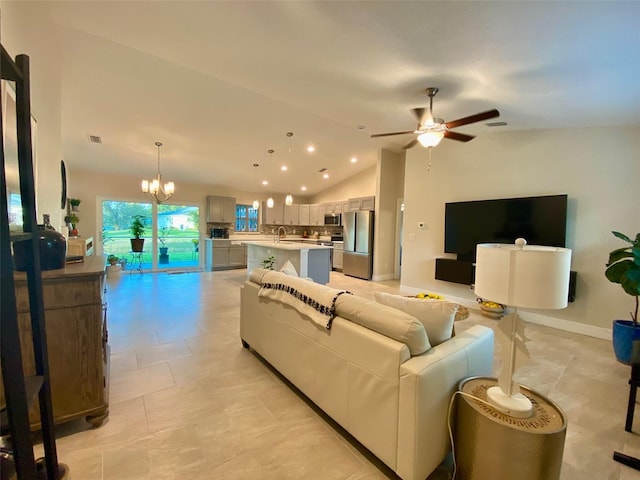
[427, 383]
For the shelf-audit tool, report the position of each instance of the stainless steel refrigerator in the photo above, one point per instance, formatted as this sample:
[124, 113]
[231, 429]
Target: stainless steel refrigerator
[357, 259]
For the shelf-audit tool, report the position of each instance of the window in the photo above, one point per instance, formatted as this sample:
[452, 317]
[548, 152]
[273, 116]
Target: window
[246, 218]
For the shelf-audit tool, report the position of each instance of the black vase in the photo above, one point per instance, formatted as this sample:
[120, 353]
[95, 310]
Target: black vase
[53, 250]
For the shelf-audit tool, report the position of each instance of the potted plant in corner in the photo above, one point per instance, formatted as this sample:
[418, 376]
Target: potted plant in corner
[624, 268]
[137, 230]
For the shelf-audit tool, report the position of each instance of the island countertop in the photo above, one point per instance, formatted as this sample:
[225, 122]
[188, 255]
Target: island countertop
[284, 245]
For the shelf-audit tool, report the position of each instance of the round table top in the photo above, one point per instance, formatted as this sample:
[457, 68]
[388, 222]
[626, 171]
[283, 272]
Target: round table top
[547, 416]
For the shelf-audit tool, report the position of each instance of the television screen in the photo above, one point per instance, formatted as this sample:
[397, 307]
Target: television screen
[539, 220]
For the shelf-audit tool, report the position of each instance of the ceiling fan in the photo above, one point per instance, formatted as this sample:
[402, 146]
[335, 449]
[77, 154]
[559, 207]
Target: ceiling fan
[431, 130]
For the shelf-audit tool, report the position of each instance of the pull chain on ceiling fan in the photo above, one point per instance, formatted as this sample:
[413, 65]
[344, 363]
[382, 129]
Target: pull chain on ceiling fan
[431, 129]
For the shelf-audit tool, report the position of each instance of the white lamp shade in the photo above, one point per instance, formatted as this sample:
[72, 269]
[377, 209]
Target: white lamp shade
[145, 186]
[288, 200]
[430, 139]
[270, 202]
[528, 277]
[256, 204]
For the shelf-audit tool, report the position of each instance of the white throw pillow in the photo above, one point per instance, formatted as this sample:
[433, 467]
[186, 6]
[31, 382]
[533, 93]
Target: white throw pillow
[436, 315]
[289, 269]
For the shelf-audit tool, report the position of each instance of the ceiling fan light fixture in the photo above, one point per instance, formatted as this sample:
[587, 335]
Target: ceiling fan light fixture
[430, 139]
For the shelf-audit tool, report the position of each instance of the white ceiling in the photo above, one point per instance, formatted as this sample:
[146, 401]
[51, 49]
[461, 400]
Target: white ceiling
[220, 83]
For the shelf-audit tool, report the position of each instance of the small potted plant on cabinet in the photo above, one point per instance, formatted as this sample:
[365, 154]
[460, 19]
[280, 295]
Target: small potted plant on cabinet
[624, 268]
[74, 220]
[137, 231]
[74, 203]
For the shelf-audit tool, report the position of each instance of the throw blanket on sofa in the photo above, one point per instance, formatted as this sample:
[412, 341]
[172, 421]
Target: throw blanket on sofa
[313, 300]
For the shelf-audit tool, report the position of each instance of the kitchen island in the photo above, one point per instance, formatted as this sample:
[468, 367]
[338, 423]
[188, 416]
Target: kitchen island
[310, 260]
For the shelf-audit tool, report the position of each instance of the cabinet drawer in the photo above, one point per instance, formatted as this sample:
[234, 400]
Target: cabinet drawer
[63, 292]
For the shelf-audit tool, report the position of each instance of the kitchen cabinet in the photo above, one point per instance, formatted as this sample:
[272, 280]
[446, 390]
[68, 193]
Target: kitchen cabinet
[333, 208]
[303, 214]
[273, 216]
[361, 203]
[222, 254]
[316, 214]
[292, 214]
[221, 209]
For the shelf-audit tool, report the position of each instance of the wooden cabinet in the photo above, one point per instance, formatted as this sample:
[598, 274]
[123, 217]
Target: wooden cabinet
[80, 246]
[221, 209]
[303, 215]
[292, 214]
[362, 203]
[273, 216]
[76, 324]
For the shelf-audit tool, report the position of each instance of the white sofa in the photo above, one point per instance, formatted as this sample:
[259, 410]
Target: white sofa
[391, 399]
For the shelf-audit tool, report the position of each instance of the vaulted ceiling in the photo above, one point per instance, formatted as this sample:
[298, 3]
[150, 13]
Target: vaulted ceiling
[220, 83]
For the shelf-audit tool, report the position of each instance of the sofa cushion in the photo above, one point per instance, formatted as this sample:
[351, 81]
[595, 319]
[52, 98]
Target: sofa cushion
[437, 316]
[289, 269]
[384, 320]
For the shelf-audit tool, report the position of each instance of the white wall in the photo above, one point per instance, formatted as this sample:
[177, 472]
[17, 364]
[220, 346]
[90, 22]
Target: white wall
[362, 184]
[599, 169]
[390, 186]
[19, 27]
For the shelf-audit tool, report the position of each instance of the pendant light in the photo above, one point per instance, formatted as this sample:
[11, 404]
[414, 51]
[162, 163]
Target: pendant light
[270, 202]
[159, 192]
[256, 202]
[288, 200]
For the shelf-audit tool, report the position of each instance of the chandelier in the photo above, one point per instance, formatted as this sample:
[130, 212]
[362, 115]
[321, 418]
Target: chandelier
[159, 192]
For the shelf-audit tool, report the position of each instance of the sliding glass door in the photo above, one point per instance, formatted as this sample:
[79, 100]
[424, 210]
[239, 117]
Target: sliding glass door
[172, 235]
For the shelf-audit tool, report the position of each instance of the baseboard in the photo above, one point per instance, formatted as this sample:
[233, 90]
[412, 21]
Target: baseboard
[382, 278]
[537, 318]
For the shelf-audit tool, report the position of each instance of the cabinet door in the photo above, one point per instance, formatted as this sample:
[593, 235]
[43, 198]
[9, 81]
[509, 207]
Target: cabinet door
[303, 215]
[228, 210]
[316, 215]
[236, 256]
[353, 204]
[220, 256]
[368, 203]
[214, 209]
[291, 214]
[273, 216]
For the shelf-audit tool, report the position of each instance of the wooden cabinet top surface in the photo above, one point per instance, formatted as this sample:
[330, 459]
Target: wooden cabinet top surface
[94, 265]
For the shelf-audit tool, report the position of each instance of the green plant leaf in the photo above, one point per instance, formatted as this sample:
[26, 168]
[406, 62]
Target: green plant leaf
[615, 272]
[623, 236]
[618, 255]
[632, 287]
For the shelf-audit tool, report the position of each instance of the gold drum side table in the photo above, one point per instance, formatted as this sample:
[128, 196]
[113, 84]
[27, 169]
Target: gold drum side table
[491, 445]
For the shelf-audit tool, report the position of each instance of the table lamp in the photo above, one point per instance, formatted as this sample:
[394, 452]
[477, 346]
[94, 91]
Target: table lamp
[519, 276]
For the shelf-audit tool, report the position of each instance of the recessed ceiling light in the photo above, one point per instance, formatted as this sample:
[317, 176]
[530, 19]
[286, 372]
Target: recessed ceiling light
[325, 175]
[264, 182]
[303, 188]
[354, 159]
[311, 148]
[283, 168]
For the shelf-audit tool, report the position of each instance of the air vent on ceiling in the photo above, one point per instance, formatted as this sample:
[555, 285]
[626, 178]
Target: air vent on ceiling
[95, 139]
[496, 124]
[322, 170]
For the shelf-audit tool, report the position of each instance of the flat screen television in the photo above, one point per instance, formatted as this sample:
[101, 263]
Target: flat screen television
[539, 220]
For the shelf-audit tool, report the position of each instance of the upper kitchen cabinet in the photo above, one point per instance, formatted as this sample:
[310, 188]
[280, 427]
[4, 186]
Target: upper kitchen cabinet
[333, 208]
[362, 203]
[316, 214]
[303, 214]
[273, 216]
[221, 209]
[292, 214]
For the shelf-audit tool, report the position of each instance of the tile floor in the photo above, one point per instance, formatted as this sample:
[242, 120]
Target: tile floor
[188, 402]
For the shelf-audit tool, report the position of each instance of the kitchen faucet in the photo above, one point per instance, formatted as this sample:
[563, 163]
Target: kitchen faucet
[284, 234]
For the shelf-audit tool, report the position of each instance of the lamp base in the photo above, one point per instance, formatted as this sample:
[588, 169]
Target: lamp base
[516, 405]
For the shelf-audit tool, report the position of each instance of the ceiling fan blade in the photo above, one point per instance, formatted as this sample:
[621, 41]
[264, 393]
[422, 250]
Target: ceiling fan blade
[478, 117]
[461, 137]
[410, 144]
[387, 134]
[419, 113]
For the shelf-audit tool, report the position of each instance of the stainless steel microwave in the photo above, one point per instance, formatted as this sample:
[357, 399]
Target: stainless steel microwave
[332, 219]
